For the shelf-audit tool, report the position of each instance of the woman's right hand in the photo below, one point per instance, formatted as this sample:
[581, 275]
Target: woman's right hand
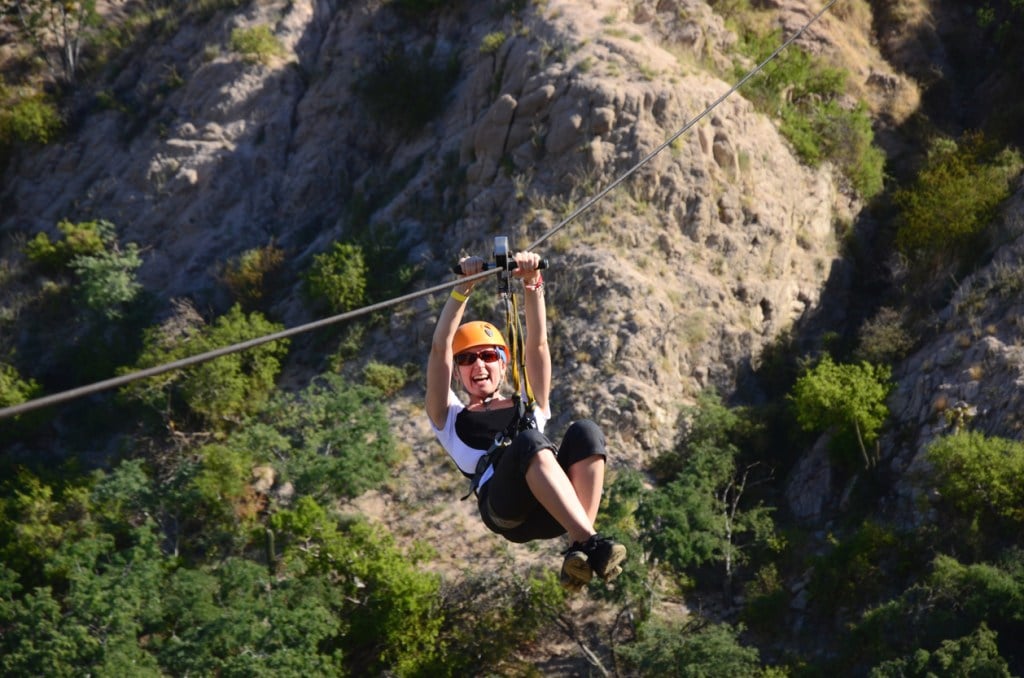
[470, 266]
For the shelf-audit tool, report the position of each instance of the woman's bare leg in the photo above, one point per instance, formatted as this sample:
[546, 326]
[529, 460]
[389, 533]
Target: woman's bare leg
[587, 478]
[553, 489]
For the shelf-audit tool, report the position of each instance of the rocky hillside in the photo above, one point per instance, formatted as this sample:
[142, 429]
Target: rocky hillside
[440, 130]
[672, 283]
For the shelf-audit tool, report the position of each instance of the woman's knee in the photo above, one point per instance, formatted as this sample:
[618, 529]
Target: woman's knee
[582, 439]
[525, 447]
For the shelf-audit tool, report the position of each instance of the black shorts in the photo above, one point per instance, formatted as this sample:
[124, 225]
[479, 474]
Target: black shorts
[506, 503]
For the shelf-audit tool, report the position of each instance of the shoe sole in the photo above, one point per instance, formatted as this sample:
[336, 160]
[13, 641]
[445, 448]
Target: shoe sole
[611, 569]
[577, 571]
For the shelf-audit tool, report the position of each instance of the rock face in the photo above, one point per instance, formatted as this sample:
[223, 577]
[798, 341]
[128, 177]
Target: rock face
[674, 281]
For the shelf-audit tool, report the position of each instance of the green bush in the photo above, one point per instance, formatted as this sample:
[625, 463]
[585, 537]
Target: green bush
[845, 398]
[492, 42]
[804, 93]
[338, 277]
[979, 482]
[257, 44]
[219, 392]
[956, 195]
[87, 238]
[976, 654]
[340, 440]
[27, 116]
[665, 648]
[15, 390]
[249, 276]
[387, 379]
[883, 339]
[107, 279]
[950, 603]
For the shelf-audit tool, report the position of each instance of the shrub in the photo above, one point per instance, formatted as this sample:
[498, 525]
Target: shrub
[945, 211]
[338, 277]
[27, 116]
[15, 390]
[249, 275]
[664, 648]
[83, 239]
[107, 279]
[341, 443]
[257, 44]
[844, 397]
[388, 379]
[220, 391]
[492, 42]
[883, 339]
[804, 93]
[978, 478]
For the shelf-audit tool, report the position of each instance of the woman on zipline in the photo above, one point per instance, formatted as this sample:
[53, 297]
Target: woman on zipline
[530, 488]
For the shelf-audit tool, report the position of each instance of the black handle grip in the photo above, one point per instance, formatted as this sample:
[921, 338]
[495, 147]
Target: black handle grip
[457, 268]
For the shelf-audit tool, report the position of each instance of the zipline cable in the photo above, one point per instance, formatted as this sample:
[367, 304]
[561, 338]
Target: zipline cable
[90, 389]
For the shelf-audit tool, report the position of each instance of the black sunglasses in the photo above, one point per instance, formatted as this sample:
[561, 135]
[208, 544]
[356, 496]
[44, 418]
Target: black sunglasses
[488, 355]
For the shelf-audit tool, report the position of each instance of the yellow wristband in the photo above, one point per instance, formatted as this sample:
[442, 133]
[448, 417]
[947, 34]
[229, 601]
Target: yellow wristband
[459, 296]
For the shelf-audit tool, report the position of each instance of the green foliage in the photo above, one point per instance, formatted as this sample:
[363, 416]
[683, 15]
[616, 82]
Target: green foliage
[883, 339]
[665, 648]
[236, 619]
[221, 391]
[85, 239]
[492, 42]
[257, 44]
[974, 655]
[249, 276]
[338, 277]
[406, 91]
[617, 517]
[14, 389]
[950, 603]
[804, 92]
[978, 482]
[844, 397]
[389, 603]
[699, 516]
[387, 379]
[945, 212]
[107, 279]
[862, 567]
[27, 116]
[486, 614]
[340, 442]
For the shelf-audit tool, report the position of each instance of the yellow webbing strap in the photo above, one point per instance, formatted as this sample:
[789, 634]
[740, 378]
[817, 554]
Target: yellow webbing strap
[516, 351]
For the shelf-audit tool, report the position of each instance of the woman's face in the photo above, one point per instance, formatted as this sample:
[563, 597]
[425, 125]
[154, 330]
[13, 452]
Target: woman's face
[481, 370]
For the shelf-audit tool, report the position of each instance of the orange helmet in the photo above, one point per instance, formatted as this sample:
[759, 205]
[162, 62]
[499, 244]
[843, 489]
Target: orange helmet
[477, 333]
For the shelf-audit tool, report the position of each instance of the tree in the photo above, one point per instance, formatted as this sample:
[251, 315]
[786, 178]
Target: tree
[689, 650]
[340, 443]
[45, 22]
[844, 397]
[953, 199]
[338, 277]
[974, 655]
[979, 480]
[107, 279]
[951, 602]
[700, 516]
[219, 392]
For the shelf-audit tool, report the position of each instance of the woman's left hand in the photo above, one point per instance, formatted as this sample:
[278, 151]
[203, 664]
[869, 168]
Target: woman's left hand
[527, 267]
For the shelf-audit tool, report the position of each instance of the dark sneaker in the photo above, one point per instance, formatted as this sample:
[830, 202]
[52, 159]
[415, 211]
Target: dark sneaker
[576, 572]
[603, 556]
